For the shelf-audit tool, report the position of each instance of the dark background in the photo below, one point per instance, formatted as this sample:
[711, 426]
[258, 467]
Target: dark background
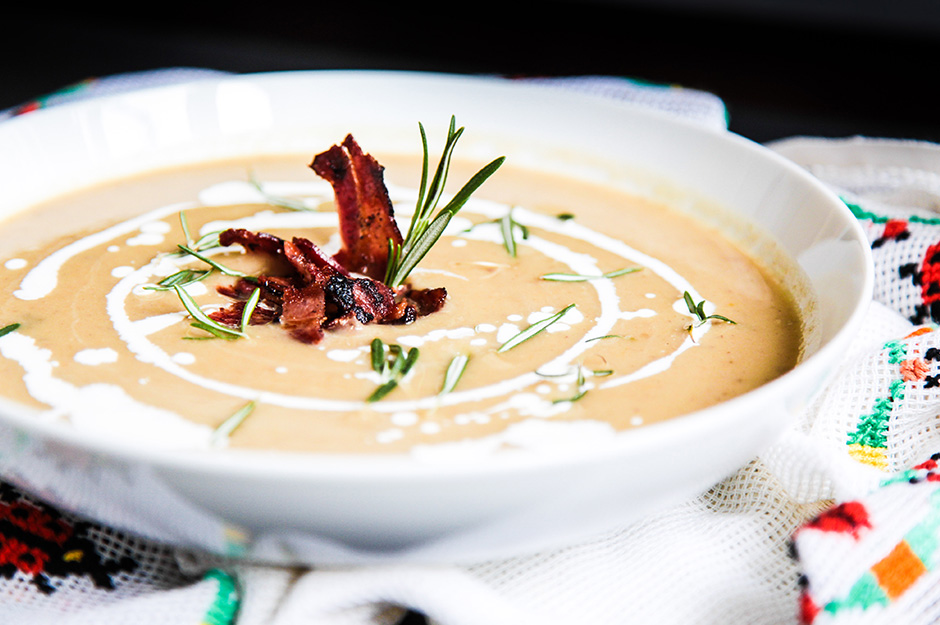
[783, 67]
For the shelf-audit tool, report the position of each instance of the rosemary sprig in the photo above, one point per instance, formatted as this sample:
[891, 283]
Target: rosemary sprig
[277, 200]
[9, 328]
[698, 310]
[575, 277]
[202, 320]
[424, 231]
[393, 364]
[455, 369]
[533, 329]
[225, 429]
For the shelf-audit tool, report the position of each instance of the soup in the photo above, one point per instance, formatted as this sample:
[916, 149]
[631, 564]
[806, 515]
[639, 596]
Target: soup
[573, 310]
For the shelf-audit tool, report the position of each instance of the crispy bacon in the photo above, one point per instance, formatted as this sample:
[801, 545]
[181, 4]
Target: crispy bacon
[319, 292]
[366, 218]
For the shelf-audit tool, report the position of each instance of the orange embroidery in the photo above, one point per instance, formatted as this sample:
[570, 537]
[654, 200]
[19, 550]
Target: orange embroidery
[898, 570]
[920, 331]
[912, 370]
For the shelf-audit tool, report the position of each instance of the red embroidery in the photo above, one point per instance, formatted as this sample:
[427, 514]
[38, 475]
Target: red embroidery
[40, 543]
[846, 518]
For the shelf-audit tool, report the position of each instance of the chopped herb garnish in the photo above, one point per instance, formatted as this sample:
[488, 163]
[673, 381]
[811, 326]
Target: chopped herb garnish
[214, 264]
[277, 200]
[574, 277]
[602, 373]
[699, 311]
[424, 230]
[183, 277]
[455, 369]
[203, 321]
[393, 364]
[579, 393]
[225, 429]
[184, 224]
[378, 355]
[249, 308]
[507, 228]
[9, 328]
[608, 336]
[533, 329]
[207, 241]
[565, 216]
[218, 334]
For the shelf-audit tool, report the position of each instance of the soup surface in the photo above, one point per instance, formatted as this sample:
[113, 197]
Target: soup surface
[97, 345]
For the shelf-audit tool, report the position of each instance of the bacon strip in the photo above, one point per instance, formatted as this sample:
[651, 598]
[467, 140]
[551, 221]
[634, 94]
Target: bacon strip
[366, 218]
[320, 292]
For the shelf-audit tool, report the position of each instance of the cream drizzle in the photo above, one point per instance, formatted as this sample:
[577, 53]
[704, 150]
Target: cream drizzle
[43, 278]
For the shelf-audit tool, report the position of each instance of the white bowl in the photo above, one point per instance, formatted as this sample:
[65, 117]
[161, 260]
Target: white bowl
[325, 509]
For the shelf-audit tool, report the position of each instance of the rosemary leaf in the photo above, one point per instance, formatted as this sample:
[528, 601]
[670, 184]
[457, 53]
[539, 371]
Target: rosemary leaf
[607, 336]
[9, 328]
[420, 248]
[225, 429]
[564, 216]
[183, 277]
[506, 229]
[533, 329]
[217, 334]
[722, 318]
[382, 391]
[698, 310]
[196, 313]
[573, 398]
[208, 241]
[249, 308]
[574, 277]
[410, 361]
[276, 200]
[184, 224]
[212, 263]
[455, 369]
[581, 391]
[378, 355]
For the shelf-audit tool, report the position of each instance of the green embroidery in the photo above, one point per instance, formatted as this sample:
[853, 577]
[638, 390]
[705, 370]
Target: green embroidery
[864, 594]
[872, 428]
[861, 213]
[897, 352]
[225, 606]
[924, 538]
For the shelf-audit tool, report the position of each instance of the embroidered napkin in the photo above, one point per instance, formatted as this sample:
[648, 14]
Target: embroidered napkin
[837, 522]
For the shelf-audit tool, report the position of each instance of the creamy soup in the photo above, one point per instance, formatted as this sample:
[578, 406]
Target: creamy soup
[96, 345]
